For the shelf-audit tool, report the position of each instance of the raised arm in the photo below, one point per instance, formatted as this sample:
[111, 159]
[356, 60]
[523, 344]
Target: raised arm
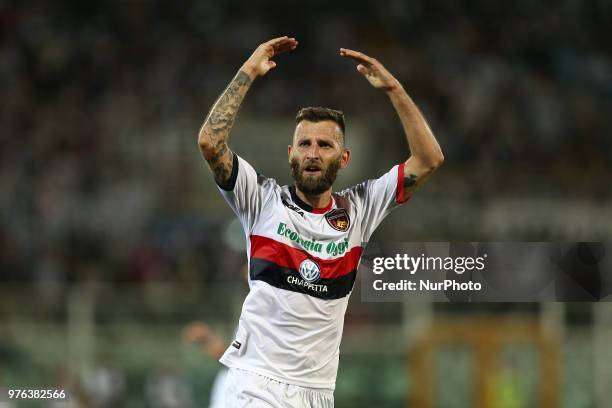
[425, 153]
[214, 133]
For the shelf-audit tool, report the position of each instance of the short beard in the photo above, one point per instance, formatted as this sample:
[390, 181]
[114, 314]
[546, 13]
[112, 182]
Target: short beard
[314, 186]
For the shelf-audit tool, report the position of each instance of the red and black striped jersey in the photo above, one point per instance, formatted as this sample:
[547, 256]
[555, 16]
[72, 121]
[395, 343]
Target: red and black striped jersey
[302, 265]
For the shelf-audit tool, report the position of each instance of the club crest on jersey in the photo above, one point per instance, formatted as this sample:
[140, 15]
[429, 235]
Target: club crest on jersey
[309, 270]
[338, 219]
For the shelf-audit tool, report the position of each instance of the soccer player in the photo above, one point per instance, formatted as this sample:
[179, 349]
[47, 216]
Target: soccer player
[304, 241]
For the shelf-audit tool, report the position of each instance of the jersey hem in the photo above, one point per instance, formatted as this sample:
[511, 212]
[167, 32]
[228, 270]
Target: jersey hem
[266, 373]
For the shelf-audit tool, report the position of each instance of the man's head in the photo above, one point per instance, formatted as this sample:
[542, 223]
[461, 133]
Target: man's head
[318, 151]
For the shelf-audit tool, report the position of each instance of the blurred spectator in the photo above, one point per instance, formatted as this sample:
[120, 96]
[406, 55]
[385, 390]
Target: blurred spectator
[103, 384]
[165, 389]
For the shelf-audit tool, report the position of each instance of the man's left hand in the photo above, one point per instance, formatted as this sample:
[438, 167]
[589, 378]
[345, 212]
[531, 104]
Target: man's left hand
[373, 70]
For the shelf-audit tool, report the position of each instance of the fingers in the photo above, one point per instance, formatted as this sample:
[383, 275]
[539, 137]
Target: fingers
[277, 40]
[362, 69]
[357, 56]
[282, 44]
[284, 48]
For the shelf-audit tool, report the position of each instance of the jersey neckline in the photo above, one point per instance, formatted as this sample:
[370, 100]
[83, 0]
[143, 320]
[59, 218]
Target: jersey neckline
[307, 207]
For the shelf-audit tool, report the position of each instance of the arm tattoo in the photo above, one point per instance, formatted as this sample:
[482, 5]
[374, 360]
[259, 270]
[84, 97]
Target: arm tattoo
[219, 122]
[221, 117]
[222, 169]
[410, 181]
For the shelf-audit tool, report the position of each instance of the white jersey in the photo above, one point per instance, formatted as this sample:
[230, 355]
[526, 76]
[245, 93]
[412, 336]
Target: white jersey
[302, 266]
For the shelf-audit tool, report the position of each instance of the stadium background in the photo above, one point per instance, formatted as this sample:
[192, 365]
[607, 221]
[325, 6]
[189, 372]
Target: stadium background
[113, 236]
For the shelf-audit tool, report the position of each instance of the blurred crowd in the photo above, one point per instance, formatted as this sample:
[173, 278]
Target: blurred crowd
[99, 169]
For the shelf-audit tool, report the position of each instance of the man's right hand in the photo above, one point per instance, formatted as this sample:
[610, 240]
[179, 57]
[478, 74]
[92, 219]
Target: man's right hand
[213, 134]
[261, 62]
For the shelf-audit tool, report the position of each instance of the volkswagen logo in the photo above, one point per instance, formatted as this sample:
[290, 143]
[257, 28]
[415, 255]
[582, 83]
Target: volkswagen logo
[309, 270]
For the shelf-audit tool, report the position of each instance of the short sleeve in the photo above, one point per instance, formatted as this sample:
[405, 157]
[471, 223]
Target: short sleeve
[378, 197]
[246, 192]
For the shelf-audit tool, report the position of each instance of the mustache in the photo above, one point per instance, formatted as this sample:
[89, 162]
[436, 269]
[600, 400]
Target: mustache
[316, 164]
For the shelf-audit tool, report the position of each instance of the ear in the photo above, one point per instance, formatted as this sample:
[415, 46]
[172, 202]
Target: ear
[289, 149]
[346, 156]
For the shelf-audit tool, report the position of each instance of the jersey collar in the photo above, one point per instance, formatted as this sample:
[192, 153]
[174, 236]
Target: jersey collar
[307, 207]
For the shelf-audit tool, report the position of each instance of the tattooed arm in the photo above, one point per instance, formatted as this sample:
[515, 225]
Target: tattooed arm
[425, 153]
[214, 133]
